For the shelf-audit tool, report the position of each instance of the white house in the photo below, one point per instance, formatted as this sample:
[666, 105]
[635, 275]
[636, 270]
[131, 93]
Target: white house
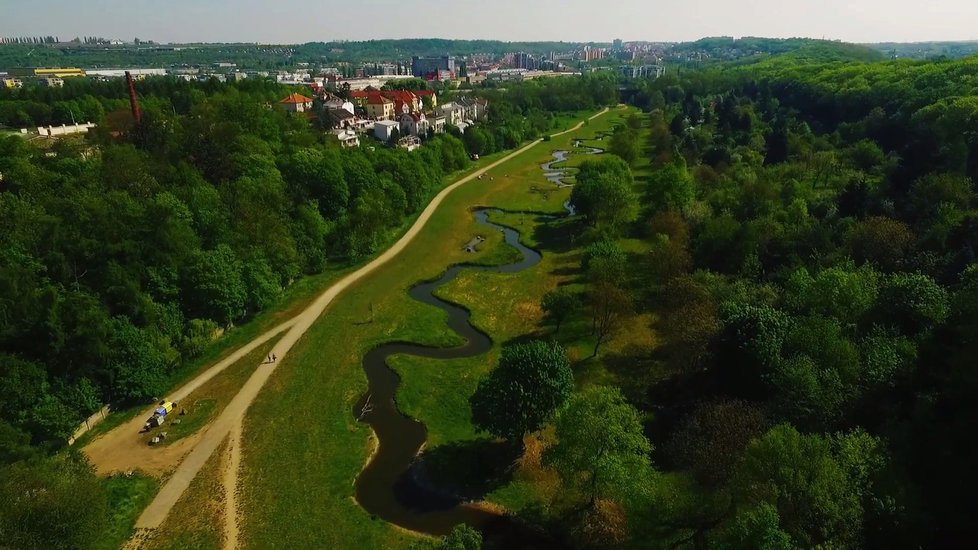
[384, 129]
[296, 103]
[333, 102]
[347, 138]
[453, 112]
[414, 124]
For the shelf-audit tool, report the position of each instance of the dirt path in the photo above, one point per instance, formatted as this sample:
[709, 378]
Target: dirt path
[230, 478]
[122, 449]
[153, 516]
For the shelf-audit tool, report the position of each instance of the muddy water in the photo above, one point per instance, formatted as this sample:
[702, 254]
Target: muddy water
[384, 488]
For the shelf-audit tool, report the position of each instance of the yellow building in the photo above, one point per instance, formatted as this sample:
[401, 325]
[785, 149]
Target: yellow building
[48, 72]
[379, 107]
[12, 83]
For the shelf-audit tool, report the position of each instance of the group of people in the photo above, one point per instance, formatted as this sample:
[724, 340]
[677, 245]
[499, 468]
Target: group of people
[271, 358]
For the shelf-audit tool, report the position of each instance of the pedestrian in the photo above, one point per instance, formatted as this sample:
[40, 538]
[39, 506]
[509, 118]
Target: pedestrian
[274, 358]
[269, 358]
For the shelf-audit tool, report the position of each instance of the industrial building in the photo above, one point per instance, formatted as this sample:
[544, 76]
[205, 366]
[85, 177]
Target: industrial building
[47, 72]
[433, 67]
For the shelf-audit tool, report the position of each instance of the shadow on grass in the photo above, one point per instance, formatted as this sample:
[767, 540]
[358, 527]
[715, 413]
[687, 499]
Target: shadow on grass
[558, 236]
[463, 470]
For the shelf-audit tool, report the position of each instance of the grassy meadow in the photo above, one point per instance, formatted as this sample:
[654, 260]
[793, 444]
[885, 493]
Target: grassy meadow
[302, 446]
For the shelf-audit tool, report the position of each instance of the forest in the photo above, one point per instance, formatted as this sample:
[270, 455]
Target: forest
[811, 284]
[125, 254]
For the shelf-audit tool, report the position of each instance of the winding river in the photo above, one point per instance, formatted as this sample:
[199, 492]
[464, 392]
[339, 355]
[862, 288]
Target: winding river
[556, 175]
[384, 488]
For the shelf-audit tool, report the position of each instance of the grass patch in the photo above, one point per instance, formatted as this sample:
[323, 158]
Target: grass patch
[197, 519]
[128, 495]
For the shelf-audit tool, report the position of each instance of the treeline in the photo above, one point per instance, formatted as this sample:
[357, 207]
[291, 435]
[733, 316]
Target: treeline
[810, 285]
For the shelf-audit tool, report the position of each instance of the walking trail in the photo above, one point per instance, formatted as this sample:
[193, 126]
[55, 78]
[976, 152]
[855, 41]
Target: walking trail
[231, 417]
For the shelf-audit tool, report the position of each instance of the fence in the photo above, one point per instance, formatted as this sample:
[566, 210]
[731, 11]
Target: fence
[89, 423]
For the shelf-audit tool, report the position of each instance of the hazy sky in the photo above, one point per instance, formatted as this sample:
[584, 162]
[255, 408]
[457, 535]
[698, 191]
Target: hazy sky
[292, 21]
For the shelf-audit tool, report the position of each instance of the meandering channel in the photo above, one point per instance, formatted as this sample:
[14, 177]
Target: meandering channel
[384, 487]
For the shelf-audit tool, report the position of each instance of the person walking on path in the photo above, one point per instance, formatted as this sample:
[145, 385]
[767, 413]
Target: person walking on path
[269, 358]
[274, 358]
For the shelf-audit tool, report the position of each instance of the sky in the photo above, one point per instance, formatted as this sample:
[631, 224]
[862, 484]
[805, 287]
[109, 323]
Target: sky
[297, 21]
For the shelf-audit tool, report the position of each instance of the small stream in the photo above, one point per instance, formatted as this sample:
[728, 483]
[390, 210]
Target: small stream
[385, 488]
[556, 175]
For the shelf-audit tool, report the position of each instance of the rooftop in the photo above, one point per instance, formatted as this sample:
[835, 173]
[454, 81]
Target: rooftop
[294, 98]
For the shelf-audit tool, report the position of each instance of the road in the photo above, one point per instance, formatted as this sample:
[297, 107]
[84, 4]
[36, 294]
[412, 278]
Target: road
[154, 515]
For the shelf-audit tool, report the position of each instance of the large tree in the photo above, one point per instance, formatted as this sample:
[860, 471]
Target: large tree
[603, 193]
[601, 450]
[531, 381]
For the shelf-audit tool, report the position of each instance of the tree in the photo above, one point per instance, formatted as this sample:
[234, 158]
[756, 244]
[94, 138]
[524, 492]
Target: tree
[817, 495]
[601, 450]
[844, 292]
[690, 320]
[755, 529]
[883, 241]
[625, 144]
[710, 443]
[529, 384]
[913, 303]
[56, 503]
[558, 305]
[603, 193]
[609, 304]
[214, 287]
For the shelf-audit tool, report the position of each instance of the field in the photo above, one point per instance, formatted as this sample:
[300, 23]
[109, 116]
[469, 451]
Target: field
[302, 446]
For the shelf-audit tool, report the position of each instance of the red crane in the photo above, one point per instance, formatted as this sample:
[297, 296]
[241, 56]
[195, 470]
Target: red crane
[133, 102]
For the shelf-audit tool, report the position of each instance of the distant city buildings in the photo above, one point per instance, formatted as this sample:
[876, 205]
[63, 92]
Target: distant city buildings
[433, 68]
[589, 53]
[642, 71]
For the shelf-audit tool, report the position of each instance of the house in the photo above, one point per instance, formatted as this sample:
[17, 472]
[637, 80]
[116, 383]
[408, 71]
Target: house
[347, 138]
[331, 101]
[405, 101]
[379, 107]
[430, 94]
[437, 124]
[13, 83]
[359, 98]
[340, 118]
[475, 109]
[453, 112]
[409, 142]
[296, 103]
[414, 124]
[385, 129]
[51, 82]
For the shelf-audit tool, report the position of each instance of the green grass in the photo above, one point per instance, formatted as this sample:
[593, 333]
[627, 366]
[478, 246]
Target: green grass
[196, 520]
[127, 498]
[303, 448]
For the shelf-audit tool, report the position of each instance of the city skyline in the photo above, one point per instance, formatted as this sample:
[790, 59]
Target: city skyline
[301, 21]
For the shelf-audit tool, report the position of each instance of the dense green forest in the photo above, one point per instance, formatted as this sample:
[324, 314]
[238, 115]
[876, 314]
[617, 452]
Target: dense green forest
[812, 284]
[124, 254]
